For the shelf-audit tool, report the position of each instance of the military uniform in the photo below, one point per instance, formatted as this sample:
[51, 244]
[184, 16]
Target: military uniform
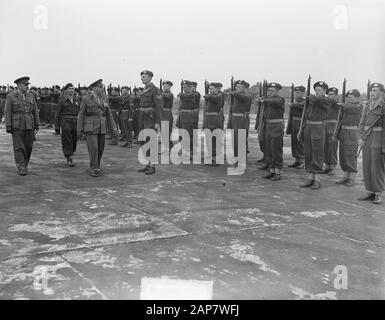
[348, 137]
[213, 118]
[294, 123]
[66, 118]
[95, 120]
[331, 146]
[21, 119]
[126, 116]
[374, 148]
[187, 114]
[314, 136]
[239, 114]
[274, 131]
[114, 104]
[168, 102]
[136, 125]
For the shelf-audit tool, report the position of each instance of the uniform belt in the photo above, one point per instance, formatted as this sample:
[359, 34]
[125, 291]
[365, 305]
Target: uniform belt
[146, 109]
[274, 120]
[187, 110]
[94, 115]
[21, 112]
[238, 114]
[330, 121]
[166, 108]
[297, 118]
[314, 122]
[374, 128]
[211, 113]
[350, 127]
[69, 115]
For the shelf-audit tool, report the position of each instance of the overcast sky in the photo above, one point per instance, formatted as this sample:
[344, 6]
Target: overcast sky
[277, 40]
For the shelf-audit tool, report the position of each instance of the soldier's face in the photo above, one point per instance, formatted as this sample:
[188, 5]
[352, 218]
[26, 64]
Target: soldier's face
[239, 87]
[187, 88]
[319, 91]
[124, 91]
[333, 96]
[271, 92]
[140, 92]
[70, 91]
[213, 90]
[98, 91]
[23, 87]
[375, 93]
[114, 93]
[166, 87]
[298, 94]
[145, 78]
[352, 99]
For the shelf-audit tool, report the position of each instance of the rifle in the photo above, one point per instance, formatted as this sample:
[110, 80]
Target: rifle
[181, 85]
[365, 136]
[338, 124]
[161, 85]
[292, 93]
[262, 95]
[232, 89]
[302, 125]
[129, 90]
[368, 91]
[291, 101]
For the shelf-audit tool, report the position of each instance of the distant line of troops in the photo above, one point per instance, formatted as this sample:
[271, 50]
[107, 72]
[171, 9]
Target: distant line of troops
[316, 123]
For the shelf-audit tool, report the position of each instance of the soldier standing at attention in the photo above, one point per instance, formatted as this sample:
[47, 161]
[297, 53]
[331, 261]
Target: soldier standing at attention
[239, 112]
[66, 119]
[94, 120]
[331, 146]
[314, 134]
[187, 108]
[150, 107]
[213, 115]
[168, 101]
[21, 120]
[372, 141]
[197, 103]
[114, 103]
[347, 134]
[274, 131]
[125, 113]
[293, 125]
[136, 126]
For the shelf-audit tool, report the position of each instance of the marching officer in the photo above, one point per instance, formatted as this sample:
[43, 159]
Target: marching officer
[314, 134]
[213, 115]
[331, 146]
[21, 120]
[125, 114]
[295, 116]
[95, 120]
[114, 103]
[347, 134]
[239, 111]
[187, 109]
[66, 119]
[150, 107]
[372, 142]
[168, 101]
[274, 131]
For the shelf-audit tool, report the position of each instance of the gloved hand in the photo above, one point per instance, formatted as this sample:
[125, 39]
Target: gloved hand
[8, 129]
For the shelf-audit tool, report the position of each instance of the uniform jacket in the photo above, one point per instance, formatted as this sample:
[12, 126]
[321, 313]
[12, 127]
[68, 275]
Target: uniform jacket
[114, 102]
[317, 108]
[296, 110]
[213, 104]
[126, 107]
[241, 104]
[20, 113]
[66, 108]
[152, 98]
[95, 117]
[168, 100]
[275, 107]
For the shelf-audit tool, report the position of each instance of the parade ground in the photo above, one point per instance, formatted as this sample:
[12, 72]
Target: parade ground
[67, 235]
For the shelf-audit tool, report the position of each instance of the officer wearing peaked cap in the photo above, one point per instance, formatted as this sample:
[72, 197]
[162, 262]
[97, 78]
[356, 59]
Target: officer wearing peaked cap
[331, 146]
[293, 126]
[151, 105]
[21, 120]
[372, 142]
[94, 120]
[314, 134]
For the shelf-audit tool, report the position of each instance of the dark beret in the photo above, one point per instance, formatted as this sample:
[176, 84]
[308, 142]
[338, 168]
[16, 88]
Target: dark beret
[115, 89]
[242, 82]
[354, 92]
[188, 82]
[56, 87]
[22, 80]
[216, 84]
[274, 85]
[377, 85]
[125, 87]
[300, 88]
[168, 82]
[68, 85]
[97, 83]
[140, 89]
[332, 89]
[321, 84]
[194, 83]
[148, 72]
